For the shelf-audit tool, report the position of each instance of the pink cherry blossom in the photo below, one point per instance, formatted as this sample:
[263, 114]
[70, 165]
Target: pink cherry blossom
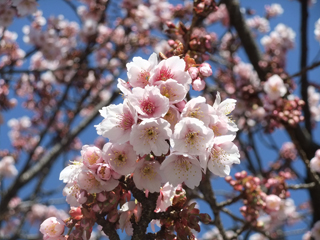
[222, 155]
[164, 200]
[171, 68]
[172, 116]
[273, 202]
[92, 183]
[122, 158]
[315, 162]
[191, 136]
[151, 135]
[147, 176]
[139, 70]
[273, 10]
[7, 168]
[126, 211]
[149, 102]
[104, 171]
[197, 108]
[52, 228]
[178, 168]
[25, 7]
[222, 110]
[174, 91]
[118, 122]
[317, 30]
[91, 156]
[275, 88]
[315, 231]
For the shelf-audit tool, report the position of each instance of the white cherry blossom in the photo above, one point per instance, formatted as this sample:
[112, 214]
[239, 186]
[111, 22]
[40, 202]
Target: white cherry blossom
[151, 135]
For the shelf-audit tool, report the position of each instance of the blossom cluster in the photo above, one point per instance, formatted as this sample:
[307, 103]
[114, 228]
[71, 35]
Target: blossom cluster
[156, 136]
[8, 9]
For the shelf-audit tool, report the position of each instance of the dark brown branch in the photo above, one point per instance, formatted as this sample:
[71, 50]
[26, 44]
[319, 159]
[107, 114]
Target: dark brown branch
[306, 69]
[108, 228]
[208, 195]
[148, 206]
[244, 33]
[303, 64]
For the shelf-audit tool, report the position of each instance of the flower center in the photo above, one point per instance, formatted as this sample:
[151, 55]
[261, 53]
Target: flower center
[92, 158]
[191, 138]
[144, 77]
[164, 74]
[126, 121]
[148, 172]
[148, 107]
[151, 134]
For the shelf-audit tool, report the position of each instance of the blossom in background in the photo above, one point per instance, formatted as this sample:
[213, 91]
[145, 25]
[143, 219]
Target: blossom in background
[315, 162]
[7, 168]
[273, 10]
[25, 7]
[275, 88]
[315, 231]
[273, 202]
[317, 30]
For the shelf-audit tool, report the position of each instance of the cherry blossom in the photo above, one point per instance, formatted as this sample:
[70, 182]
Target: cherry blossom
[197, 108]
[139, 70]
[191, 136]
[275, 88]
[122, 158]
[182, 168]
[149, 102]
[221, 155]
[118, 122]
[273, 202]
[273, 10]
[171, 68]
[152, 135]
[52, 228]
[25, 7]
[315, 162]
[91, 156]
[7, 168]
[315, 231]
[147, 176]
[317, 30]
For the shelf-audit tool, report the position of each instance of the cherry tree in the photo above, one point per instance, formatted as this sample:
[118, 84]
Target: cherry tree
[185, 100]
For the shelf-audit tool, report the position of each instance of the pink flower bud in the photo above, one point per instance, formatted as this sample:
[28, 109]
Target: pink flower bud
[193, 71]
[205, 69]
[104, 171]
[198, 84]
[82, 197]
[101, 197]
[76, 213]
[96, 208]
